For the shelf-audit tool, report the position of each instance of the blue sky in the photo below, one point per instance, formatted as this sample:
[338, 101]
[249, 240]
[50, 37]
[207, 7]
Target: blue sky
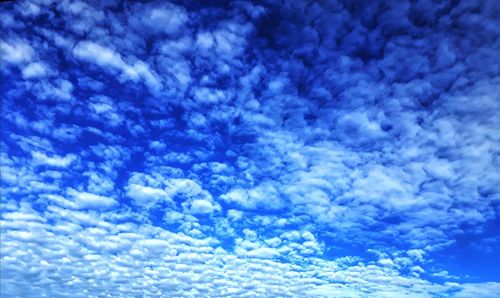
[250, 149]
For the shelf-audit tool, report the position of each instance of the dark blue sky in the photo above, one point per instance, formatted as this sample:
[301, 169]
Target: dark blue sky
[295, 149]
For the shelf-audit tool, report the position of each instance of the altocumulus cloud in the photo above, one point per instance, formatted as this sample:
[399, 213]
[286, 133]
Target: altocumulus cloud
[269, 149]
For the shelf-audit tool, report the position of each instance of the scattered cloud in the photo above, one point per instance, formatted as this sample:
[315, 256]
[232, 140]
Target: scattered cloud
[250, 149]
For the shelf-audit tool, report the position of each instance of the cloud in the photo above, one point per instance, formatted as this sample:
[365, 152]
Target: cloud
[147, 196]
[94, 52]
[85, 200]
[16, 51]
[263, 253]
[54, 161]
[202, 207]
[215, 272]
[60, 89]
[263, 196]
[167, 18]
[108, 58]
[34, 70]
[478, 290]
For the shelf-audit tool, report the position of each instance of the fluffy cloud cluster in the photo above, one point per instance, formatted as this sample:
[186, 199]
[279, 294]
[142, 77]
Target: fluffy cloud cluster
[250, 149]
[105, 254]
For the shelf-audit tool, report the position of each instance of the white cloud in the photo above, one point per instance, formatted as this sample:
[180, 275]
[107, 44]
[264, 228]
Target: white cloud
[34, 70]
[264, 196]
[86, 200]
[187, 264]
[198, 120]
[470, 290]
[16, 51]
[386, 262]
[157, 145]
[167, 18]
[417, 254]
[103, 109]
[99, 183]
[205, 40]
[209, 96]
[263, 253]
[202, 207]
[54, 161]
[146, 196]
[94, 52]
[59, 89]
[233, 214]
[106, 57]
[239, 196]
[186, 186]
[178, 157]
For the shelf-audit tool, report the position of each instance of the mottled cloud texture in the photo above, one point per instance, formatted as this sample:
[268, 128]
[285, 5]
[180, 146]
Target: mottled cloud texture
[250, 149]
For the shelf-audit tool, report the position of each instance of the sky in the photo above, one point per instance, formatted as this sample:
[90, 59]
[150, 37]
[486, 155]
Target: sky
[250, 149]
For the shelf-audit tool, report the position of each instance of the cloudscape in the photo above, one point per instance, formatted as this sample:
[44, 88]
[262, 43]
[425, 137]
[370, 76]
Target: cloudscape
[250, 149]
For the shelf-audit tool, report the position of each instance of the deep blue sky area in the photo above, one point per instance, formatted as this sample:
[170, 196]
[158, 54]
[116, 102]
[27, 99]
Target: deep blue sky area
[250, 149]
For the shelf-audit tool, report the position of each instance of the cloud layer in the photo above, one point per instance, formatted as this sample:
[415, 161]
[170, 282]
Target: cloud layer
[264, 149]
